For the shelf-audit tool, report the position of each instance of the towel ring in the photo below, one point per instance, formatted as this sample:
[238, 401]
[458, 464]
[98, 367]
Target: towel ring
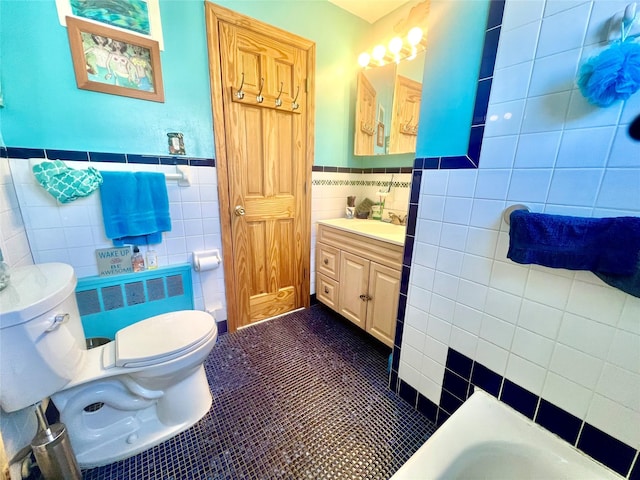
[506, 215]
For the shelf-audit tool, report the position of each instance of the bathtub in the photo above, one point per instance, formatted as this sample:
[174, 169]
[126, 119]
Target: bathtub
[486, 439]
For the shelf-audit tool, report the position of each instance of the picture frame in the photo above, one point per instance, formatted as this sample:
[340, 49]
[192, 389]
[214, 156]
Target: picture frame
[141, 17]
[112, 61]
[380, 135]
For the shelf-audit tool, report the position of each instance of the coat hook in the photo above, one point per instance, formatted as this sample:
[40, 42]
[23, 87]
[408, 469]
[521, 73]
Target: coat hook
[260, 98]
[278, 101]
[294, 105]
[240, 93]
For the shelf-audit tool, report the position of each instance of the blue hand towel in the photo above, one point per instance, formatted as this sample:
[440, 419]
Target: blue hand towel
[604, 245]
[135, 207]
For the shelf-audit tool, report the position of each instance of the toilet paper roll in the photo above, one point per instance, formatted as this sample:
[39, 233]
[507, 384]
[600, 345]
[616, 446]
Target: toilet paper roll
[210, 262]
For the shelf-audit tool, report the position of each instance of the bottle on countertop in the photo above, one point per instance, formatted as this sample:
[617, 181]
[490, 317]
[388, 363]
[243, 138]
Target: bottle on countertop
[137, 260]
[152, 260]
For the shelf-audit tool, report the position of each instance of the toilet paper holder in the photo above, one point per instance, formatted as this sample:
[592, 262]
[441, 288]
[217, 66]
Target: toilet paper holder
[206, 260]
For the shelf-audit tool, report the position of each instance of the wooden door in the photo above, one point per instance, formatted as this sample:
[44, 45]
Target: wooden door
[262, 95]
[354, 279]
[382, 308]
[406, 115]
[365, 116]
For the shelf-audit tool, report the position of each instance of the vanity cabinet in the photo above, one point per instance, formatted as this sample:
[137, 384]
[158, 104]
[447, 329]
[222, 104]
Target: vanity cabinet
[359, 277]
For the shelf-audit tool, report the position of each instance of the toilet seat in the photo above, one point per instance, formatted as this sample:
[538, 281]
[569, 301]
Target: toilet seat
[159, 339]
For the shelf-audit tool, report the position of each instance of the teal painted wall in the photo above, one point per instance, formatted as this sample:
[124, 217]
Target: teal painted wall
[45, 109]
[452, 63]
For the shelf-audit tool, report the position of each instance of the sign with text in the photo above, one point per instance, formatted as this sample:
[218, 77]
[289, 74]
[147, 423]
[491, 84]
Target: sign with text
[114, 261]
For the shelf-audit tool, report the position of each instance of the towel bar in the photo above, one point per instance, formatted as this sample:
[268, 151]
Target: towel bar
[507, 212]
[181, 175]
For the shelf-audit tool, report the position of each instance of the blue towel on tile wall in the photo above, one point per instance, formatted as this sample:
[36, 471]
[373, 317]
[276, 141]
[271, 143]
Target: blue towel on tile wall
[605, 245]
[135, 207]
[627, 283]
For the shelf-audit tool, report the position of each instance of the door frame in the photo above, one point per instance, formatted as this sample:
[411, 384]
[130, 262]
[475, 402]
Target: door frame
[213, 14]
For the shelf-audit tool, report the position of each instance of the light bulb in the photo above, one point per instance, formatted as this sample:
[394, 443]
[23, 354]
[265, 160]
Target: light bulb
[363, 59]
[395, 45]
[414, 36]
[378, 53]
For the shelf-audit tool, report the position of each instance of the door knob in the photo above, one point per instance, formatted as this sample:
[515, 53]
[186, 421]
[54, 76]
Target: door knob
[239, 210]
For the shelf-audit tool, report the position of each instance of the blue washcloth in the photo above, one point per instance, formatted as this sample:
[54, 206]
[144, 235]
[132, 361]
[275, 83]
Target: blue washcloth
[135, 207]
[604, 245]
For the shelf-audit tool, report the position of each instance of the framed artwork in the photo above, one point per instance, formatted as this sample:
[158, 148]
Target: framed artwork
[380, 135]
[141, 17]
[113, 61]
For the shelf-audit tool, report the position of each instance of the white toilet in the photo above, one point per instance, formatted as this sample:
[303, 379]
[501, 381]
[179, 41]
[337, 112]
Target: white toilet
[116, 400]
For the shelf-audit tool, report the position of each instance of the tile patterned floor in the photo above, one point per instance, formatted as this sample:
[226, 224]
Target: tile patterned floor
[303, 396]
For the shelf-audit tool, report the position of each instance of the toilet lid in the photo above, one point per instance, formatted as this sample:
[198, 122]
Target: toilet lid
[152, 340]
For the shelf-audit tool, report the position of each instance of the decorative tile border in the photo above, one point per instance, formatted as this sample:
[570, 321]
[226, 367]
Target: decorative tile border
[75, 155]
[320, 168]
[463, 374]
[357, 183]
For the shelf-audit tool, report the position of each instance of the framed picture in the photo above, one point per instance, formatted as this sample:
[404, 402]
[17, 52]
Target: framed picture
[380, 113]
[380, 135]
[112, 61]
[141, 17]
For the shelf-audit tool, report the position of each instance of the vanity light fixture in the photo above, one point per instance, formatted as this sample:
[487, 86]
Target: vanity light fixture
[397, 49]
[378, 54]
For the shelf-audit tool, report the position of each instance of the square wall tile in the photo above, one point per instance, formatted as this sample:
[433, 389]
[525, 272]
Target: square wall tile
[554, 73]
[537, 150]
[563, 31]
[558, 421]
[546, 113]
[529, 185]
[585, 147]
[517, 45]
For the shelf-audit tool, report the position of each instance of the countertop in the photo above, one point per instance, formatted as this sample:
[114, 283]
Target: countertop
[375, 229]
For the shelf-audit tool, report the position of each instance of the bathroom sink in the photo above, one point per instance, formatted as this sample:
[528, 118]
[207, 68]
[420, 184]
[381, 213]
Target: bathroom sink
[376, 229]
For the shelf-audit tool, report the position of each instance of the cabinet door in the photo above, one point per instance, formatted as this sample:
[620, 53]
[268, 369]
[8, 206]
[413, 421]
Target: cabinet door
[354, 277]
[382, 308]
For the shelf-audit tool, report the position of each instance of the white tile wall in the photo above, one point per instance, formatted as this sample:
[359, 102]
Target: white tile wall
[561, 334]
[71, 233]
[13, 237]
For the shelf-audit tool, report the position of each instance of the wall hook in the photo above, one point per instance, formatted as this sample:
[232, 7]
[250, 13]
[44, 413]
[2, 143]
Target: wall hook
[260, 98]
[278, 101]
[294, 105]
[240, 93]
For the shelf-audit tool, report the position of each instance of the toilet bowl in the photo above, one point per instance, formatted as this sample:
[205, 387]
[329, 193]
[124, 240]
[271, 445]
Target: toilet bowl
[118, 399]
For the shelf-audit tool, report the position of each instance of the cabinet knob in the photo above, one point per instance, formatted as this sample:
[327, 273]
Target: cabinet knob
[365, 298]
[326, 261]
[326, 290]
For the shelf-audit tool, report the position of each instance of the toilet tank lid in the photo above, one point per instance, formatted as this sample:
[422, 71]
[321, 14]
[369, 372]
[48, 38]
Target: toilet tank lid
[34, 290]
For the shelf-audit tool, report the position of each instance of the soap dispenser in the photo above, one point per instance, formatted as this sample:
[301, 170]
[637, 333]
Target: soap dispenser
[137, 260]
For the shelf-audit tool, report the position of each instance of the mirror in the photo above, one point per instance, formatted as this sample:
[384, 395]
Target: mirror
[388, 108]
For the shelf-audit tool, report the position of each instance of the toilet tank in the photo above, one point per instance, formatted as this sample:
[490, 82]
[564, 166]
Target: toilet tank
[42, 343]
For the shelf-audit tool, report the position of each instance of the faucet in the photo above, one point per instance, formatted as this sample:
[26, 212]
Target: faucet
[397, 219]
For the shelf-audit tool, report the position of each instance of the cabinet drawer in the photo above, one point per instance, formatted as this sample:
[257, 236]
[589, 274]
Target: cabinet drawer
[328, 261]
[327, 291]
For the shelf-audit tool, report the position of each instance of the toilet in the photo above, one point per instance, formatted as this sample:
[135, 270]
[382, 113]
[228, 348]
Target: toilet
[116, 400]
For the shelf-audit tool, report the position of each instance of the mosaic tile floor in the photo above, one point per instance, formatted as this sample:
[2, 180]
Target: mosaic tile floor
[303, 396]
